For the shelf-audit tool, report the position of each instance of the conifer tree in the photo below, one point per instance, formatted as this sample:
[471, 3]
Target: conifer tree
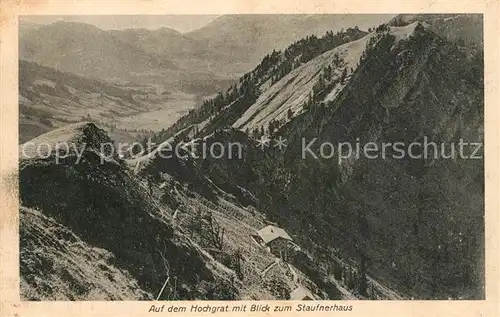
[336, 60]
[343, 76]
[350, 280]
[337, 271]
[362, 281]
[345, 275]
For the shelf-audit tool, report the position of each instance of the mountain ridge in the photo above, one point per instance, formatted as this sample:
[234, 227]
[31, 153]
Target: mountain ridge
[91, 52]
[131, 222]
[366, 228]
[406, 62]
[200, 60]
[107, 208]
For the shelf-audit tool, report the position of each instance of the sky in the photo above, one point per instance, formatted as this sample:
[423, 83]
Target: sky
[181, 23]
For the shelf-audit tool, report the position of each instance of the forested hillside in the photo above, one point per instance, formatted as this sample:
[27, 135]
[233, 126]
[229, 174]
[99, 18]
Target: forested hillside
[409, 82]
[180, 224]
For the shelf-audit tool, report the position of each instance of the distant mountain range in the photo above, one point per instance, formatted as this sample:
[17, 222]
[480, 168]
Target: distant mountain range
[203, 61]
[245, 39]
[86, 50]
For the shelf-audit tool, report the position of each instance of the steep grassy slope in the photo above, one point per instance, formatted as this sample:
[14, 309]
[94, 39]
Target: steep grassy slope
[56, 264]
[293, 91]
[218, 215]
[225, 109]
[208, 192]
[106, 208]
[91, 229]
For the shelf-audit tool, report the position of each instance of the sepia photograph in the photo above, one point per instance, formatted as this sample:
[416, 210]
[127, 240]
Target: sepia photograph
[255, 158]
[251, 157]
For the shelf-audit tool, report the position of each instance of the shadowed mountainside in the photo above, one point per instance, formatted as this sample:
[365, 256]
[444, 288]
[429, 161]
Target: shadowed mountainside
[407, 218]
[56, 264]
[105, 207]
